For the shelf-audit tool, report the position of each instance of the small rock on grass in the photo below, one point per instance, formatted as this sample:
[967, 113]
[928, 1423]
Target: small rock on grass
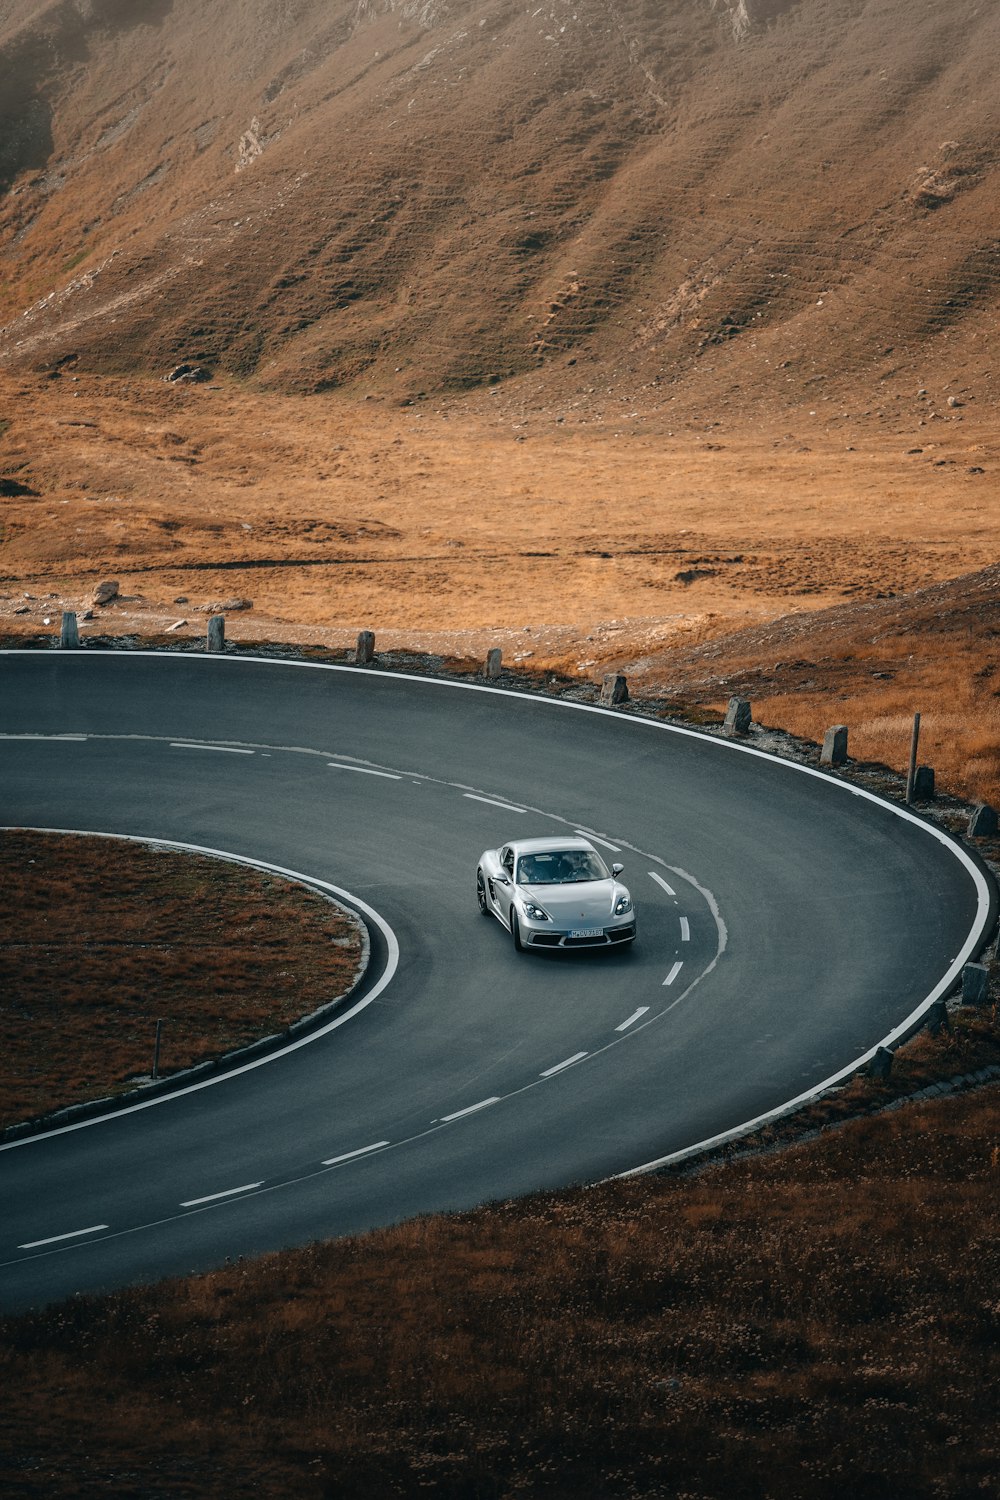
[228, 606]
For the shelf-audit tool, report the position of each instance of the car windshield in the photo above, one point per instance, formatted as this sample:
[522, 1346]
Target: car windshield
[560, 867]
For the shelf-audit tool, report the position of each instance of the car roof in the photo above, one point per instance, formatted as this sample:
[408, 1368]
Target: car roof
[550, 846]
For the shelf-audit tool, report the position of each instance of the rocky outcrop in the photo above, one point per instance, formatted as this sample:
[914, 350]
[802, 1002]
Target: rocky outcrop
[423, 12]
[250, 146]
[744, 15]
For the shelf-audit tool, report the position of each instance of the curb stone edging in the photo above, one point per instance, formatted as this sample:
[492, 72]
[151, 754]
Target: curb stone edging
[956, 1085]
[962, 1083]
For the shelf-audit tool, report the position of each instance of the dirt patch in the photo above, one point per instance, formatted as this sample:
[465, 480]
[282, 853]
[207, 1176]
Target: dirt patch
[111, 936]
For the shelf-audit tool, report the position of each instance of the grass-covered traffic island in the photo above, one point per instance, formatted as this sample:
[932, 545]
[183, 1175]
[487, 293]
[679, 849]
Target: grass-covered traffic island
[104, 937]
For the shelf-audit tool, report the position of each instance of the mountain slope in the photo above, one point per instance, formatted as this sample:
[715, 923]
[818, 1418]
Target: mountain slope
[756, 200]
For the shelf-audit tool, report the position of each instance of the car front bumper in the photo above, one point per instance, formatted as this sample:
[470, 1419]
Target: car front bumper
[544, 935]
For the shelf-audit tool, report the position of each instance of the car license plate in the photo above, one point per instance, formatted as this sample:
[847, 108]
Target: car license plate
[581, 932]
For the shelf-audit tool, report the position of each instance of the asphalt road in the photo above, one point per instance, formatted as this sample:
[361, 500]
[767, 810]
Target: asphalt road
[787, 925]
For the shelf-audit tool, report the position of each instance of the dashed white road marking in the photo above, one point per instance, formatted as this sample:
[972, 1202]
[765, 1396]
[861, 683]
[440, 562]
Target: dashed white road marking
[337, 765]
[685, 930]
[492, 802]
[595, 840]
[227, 1193]
[217, 749]
[632, 1018]
[470, 1109]
[54, 1239]
[333, 1161]
[566, 1063]
[660, 881]
[678, 966]
[969, 948]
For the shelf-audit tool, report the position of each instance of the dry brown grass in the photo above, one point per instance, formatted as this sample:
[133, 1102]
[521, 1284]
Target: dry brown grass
[870, 666]
[956, 695]
[814, 1324]
[104, 937]
[444, 534]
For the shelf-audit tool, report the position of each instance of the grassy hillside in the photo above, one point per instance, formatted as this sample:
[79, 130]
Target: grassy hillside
[399, 196]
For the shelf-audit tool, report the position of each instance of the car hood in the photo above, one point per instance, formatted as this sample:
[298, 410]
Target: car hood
[586, 899]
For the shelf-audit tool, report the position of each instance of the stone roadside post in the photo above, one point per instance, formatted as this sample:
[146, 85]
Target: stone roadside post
[614, 690]
[881, 1064]
[923, 784]
[975, 984]
[738, 717]
[834, 752]
[983, 822]
[936, 1019]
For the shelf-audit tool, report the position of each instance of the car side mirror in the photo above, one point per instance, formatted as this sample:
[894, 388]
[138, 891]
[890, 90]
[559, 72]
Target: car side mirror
[617, 869]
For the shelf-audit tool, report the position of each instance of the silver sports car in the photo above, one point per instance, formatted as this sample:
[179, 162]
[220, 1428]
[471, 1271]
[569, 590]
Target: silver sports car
[555, 893]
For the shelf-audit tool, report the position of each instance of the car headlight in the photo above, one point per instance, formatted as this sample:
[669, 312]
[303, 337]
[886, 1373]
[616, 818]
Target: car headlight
[535, 913]
[623, 904]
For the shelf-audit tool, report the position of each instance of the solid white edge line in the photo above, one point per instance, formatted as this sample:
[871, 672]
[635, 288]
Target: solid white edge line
[217, 749]
[685, 930]
[492, 802]
[336, 765]
[968, 948]
[678, 966]
[595, 840]
[569, 1061]
[392, 963]
[333, 1161]
[470, 1109]
[660, 881]
[633, 1018]
[247, 1187]
[54, 1239]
